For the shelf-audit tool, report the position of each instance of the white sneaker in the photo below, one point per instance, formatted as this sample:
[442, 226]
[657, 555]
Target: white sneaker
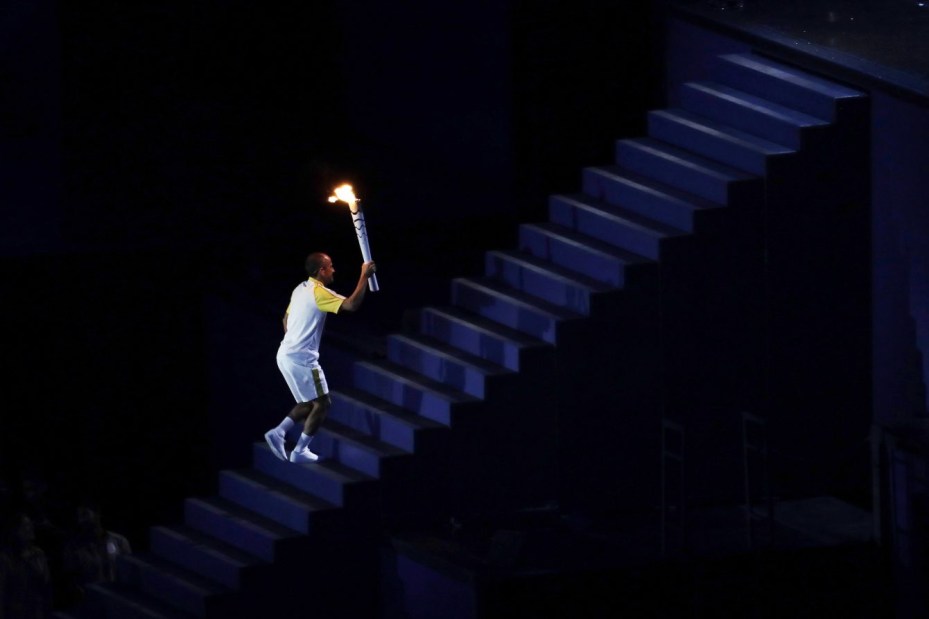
[275, 441]
[304, 455]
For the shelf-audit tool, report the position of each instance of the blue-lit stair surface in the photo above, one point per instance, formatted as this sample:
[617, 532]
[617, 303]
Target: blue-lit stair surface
[438, 361]
[784, 85]
[238, 527]
[327, 480]
[714, 140]
[679, 168]
[479, 336]
[511, 307]
[585, 255]
[488, 352]
[645, 196]
[750, 113]
[356, 450]
[179, 588]
[615, 225]
[273, 499]
[413, 392]
[206, 555]
[546, 281]
[382, 420]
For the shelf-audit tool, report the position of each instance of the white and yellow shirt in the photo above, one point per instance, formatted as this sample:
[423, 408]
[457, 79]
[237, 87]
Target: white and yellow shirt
[306, 318]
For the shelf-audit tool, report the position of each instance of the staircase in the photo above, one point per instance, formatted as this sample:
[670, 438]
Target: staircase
[481, 406]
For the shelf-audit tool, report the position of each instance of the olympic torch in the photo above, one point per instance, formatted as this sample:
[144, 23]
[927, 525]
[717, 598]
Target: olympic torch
[345, 194]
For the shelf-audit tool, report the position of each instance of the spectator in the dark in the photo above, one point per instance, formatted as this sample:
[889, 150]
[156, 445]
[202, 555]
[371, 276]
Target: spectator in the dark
[48, 523]
[25, 582]
[90, 555]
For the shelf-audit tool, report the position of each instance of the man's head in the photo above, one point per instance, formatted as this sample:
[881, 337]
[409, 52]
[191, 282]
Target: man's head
[319, 266]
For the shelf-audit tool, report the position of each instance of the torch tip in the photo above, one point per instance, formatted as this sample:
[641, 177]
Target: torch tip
[344, 193]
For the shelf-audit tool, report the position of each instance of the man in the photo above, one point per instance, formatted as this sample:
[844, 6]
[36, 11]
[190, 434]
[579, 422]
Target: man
[298, 355]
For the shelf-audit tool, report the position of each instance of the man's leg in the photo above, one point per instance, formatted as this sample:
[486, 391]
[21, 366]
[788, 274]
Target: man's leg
[301, 411]
[308, 386]
[317, 413]
[276, 436]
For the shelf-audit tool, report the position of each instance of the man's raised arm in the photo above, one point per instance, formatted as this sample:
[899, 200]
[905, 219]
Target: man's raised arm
[353, 301]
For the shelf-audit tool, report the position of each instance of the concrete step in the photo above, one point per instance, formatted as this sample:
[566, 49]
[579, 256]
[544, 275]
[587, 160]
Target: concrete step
[714, 140]
[474, 334]
[655, 201]
[356, 450]
[510, 307]
[206, 555]
[177, 587]
[443, 363]
[579, 253]
[238, 527]
[329, 481]
[275, 500]
[414, 392]
[382, 420]
[610, 224]
[752, 114]
[785, 85]
[544, 280]
[684, 170]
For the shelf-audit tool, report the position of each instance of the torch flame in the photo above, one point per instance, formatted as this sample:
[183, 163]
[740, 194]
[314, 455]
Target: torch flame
[345, 194]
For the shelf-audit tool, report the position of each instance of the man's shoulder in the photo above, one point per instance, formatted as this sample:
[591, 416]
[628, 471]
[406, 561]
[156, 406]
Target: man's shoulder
[320, 288]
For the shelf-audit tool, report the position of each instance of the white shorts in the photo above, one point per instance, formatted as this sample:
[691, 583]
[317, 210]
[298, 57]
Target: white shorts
[306, 382]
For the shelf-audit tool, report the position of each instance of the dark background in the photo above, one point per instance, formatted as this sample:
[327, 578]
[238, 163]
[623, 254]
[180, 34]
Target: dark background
[166, 168]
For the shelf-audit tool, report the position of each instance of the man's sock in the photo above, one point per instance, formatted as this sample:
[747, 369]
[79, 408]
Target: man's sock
[304, 441]
[285, 426]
